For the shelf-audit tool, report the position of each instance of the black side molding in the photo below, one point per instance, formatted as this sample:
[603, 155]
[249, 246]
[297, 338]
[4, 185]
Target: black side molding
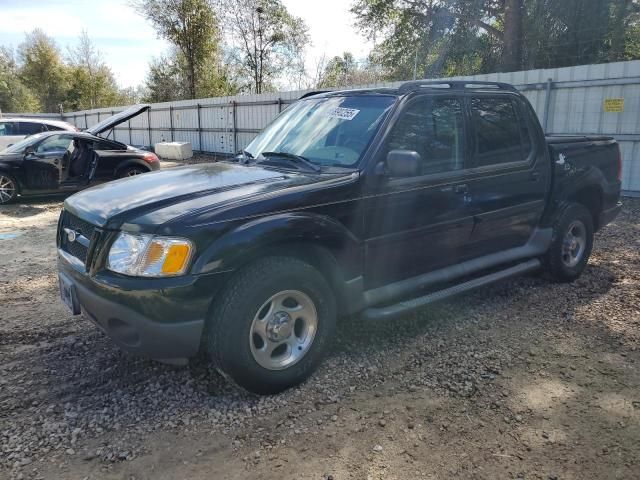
[401, 308]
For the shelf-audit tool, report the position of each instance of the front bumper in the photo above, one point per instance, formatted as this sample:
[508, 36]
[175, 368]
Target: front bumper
[155, 318]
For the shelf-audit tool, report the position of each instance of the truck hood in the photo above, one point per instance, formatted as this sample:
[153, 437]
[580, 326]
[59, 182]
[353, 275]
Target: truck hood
[155, 198]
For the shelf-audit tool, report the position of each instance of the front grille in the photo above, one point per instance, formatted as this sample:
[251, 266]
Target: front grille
[77, 250]
[79, 225]
[82, 229]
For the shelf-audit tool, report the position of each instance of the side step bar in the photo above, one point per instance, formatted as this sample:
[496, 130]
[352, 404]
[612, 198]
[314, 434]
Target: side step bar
[401, 308]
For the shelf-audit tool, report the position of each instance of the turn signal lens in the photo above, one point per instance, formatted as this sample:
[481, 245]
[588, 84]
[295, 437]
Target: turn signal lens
[165, 257]
[176, 259]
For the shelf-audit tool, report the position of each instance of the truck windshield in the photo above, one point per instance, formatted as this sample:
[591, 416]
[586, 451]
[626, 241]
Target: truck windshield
[329, 131]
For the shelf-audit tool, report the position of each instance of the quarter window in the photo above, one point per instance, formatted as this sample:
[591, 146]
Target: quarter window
[52, 128]
[501, 137]
[433, 127]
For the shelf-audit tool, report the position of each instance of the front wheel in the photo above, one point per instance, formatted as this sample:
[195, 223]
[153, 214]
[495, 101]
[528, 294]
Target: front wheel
[8, 188]
[271, 326]
[571, 244]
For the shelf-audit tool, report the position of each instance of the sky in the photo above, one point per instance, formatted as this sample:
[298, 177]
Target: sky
[127, 42]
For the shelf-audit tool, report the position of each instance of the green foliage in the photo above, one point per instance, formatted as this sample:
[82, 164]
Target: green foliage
[164, 82]
[91, 83]
[345, 71]
[265, 42]
[191, 27]
[42, 80]
[14, 96]
[42, 70]
[167, 79]
[462, 37]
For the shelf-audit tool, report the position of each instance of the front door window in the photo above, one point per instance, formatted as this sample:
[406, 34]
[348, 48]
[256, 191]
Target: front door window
[432, 127]
[54, 143]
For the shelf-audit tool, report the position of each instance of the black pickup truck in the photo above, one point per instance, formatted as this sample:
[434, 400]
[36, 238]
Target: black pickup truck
[373, 202]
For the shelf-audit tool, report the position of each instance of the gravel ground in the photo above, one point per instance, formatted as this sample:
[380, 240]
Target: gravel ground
[524, 379]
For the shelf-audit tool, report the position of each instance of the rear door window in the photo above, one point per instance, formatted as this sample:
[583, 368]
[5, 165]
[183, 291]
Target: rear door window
[30, 128]
[499, 136]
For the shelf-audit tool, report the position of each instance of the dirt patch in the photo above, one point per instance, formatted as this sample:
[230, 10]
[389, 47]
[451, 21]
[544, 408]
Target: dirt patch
[524, 379]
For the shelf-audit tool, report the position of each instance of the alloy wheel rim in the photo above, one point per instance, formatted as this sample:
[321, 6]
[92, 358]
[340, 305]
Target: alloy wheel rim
[574, 244]
[7, 189]
[283, 330]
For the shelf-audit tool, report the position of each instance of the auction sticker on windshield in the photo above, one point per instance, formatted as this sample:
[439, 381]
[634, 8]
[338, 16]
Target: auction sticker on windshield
[343, 113]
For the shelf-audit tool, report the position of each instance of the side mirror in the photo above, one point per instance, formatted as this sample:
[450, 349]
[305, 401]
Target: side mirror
[29, 150]
[403, 163]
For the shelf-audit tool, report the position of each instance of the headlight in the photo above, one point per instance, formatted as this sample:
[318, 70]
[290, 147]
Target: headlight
[149, 256]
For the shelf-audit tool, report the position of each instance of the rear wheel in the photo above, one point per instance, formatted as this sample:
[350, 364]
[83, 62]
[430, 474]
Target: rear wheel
[271, 326]
[8, 188]
[571, 244]
[131, 172]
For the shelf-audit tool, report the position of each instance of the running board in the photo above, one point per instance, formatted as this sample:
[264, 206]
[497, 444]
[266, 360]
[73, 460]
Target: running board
[401, 308]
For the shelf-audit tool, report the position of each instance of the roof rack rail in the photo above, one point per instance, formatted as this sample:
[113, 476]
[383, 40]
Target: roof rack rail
[453, 84]
[314, 92]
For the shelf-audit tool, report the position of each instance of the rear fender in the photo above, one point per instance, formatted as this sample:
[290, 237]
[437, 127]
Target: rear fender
[132, 162]
[569, 185]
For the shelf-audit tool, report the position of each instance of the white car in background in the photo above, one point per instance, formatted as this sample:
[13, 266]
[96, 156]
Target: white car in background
[12, 130]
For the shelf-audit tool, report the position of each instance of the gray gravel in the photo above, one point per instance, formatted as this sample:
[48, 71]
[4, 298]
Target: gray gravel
[66, 390]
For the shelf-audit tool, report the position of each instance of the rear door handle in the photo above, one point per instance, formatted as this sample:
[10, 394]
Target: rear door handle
[535, 176]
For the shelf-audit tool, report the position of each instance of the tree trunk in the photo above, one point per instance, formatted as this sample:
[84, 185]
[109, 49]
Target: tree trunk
[512, 55]
[192, 79]
[618, 30]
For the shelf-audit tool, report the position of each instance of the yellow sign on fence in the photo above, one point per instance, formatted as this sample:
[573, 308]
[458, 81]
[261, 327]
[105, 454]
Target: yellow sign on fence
[614, 105]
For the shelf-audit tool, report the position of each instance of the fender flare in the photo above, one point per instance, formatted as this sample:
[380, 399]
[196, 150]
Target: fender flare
[589, 178]
[247, 241]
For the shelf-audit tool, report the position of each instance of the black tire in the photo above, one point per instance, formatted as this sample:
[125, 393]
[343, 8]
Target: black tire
[131, 171]
[229, 333]
[560, 262]
[8, 188]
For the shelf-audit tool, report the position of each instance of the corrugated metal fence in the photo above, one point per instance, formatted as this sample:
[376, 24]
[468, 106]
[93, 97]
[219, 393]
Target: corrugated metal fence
[590, 99]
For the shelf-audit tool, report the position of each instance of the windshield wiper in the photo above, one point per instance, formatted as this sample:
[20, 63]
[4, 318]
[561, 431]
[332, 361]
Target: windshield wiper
[292, 156]
[243, 156]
